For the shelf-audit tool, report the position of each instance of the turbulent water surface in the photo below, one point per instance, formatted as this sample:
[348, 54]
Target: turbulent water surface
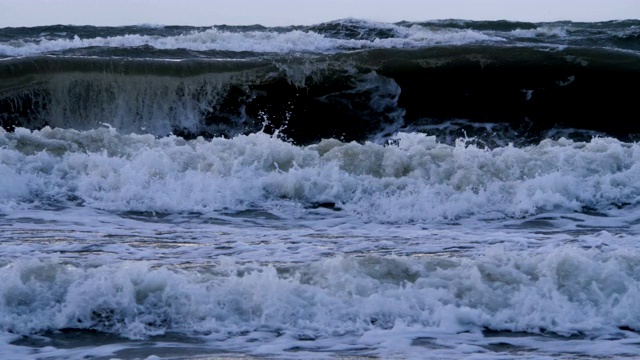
[446, 189]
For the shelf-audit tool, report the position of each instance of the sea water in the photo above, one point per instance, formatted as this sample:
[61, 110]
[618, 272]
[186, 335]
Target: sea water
[446, 189]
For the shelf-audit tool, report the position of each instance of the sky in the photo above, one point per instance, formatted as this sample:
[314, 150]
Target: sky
[302, 12]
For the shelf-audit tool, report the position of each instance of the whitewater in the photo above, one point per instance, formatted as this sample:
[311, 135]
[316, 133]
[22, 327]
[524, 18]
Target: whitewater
[447, 189]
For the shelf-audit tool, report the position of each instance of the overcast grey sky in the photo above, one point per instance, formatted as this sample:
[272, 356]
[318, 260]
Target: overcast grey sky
[289, 12]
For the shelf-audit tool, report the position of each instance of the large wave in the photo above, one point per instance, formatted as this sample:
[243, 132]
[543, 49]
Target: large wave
[349, 79]
[350, 96]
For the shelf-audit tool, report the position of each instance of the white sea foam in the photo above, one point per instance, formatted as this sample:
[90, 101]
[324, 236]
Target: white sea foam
[416, 180]
[353, 302]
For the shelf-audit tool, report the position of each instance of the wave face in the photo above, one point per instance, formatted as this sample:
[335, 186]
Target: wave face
[348, 189]
[350, 79]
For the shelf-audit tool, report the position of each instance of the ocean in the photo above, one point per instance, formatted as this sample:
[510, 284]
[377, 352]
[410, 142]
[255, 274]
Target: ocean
[432, 190]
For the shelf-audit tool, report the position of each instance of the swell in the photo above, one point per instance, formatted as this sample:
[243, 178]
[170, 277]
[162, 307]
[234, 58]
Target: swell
[361, 95]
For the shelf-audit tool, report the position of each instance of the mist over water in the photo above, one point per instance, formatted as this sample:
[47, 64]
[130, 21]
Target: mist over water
[450, 188]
